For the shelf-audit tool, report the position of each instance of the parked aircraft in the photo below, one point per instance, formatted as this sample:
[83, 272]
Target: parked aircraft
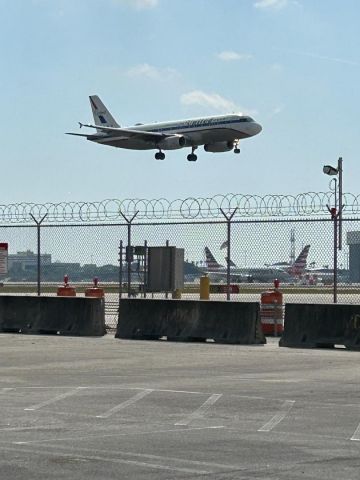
[325, 276]
[220, 133]
[298, 268]
[218, 272]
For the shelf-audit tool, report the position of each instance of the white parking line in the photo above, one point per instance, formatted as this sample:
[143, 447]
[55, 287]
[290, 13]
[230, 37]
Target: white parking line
[125, 404]
[4, 390]
[276, 419]
[21, 429]
[199, 413]
[55, 399]
[356, 436]
[147, 456]
[106, 458]
[116, 387]
[121, 434]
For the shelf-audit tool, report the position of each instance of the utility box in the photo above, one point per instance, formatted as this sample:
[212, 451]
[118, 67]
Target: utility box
[353, 240]
[165, 269]
[4, 247]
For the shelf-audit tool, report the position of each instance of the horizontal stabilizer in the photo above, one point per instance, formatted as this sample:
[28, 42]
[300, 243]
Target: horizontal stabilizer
[79, 134]
[129, 132]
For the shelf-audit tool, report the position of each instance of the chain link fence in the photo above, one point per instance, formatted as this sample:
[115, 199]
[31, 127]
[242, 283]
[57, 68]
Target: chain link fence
[262, 248]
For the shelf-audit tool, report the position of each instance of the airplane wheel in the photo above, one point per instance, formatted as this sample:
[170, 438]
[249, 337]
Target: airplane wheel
[192, 157]
[159, 156]
[236, 150]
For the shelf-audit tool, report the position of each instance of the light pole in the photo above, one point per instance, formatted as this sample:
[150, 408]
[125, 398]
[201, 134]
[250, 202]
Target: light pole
[336, 214]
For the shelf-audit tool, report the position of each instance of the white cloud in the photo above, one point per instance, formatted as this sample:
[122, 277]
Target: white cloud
[274, 4]
[212, 100]
[152, 72]
[229, 55]
[276, 67]
[277, 110]
[138, 4]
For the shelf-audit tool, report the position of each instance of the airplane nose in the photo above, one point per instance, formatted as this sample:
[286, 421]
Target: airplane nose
[256, 128]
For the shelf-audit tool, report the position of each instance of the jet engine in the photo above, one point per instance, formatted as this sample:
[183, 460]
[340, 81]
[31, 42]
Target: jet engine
[219, 147]
[173, 142]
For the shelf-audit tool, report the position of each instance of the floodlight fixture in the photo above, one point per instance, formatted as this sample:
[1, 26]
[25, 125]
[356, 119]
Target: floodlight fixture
[329, 170]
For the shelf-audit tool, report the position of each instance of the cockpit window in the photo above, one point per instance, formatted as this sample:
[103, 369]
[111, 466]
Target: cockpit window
[246, 119]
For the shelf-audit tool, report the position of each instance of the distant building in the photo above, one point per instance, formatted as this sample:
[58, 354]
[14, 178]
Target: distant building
[27, 261]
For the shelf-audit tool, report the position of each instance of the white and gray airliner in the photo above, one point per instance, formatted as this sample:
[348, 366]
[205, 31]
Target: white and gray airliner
[220, 133]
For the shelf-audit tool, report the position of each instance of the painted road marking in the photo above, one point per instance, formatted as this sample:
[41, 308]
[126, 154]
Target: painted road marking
[125, 404]
[276, 419]
[199, 413]
[147, 456]
[106, 435]
[117, 387]
[21, 429]
[106, 458]
[356, 436]
[55, 399]
[4, 390]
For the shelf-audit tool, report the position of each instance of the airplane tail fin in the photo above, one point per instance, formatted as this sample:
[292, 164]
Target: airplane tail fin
[299, 266]
[210, 260]
[232, 264]
[102, 116]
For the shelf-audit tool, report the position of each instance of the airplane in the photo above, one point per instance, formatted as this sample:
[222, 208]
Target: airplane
[220, 133]
[325, 276]
[297, 268]
[217, 272]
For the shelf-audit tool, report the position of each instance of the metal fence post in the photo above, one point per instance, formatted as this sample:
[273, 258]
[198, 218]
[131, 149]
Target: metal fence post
[341, 206]
[38, 227]
[120, 269]
[228, 243]
[129, 222]
[167, 293]
[335, 256]
[145, 268]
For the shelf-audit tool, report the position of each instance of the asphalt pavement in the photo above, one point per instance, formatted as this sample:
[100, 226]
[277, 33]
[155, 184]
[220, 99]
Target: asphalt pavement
[103, 408]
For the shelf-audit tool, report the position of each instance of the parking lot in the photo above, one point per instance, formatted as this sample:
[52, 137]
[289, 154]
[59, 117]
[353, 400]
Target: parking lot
[86, 408]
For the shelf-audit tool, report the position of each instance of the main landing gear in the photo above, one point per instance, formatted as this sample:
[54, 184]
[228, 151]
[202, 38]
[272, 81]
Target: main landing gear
[159, 155]
[192, 157]
[236, 146]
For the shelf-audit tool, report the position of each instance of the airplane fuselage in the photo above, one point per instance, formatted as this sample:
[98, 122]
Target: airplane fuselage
[198, 131]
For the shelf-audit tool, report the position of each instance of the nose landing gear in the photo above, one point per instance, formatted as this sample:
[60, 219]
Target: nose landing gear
[236, 146]
[192, 157]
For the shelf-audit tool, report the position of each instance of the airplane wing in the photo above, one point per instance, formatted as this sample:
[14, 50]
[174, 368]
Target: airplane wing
[128, 133]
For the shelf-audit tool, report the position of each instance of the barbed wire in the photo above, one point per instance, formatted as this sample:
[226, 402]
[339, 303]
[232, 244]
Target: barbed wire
[249, 206]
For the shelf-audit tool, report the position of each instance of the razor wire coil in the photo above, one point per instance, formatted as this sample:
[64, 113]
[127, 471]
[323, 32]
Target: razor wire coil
[201, 208]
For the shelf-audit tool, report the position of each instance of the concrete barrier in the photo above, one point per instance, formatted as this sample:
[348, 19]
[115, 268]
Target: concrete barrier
[190, 320]
[317, 325]
[52, 315]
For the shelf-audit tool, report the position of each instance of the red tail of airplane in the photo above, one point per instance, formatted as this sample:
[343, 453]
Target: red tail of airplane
[299, 266]
[210, 260]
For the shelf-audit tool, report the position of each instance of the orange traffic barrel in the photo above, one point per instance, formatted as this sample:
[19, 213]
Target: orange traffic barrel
[95, 291]
[66, 290]
[272, 311]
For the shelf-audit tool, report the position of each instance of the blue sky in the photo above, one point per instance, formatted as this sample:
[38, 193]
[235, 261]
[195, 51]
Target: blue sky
[293, 65]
